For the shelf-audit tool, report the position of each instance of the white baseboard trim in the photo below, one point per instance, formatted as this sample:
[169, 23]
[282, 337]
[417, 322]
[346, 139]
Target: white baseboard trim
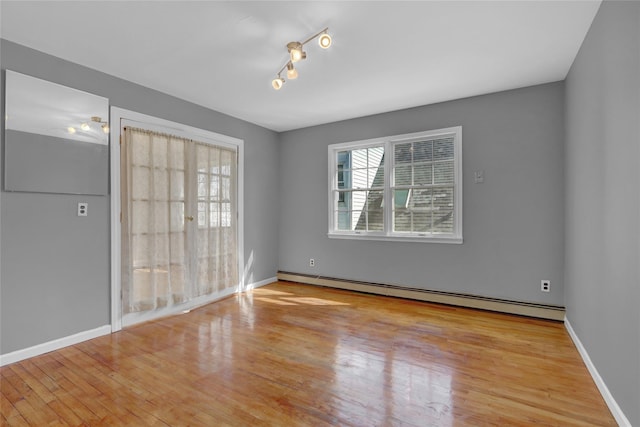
[471, 301]
[36, 350]
[622, 420]
[261, 283]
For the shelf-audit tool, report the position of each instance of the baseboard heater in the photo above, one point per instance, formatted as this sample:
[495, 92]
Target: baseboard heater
[543, 311]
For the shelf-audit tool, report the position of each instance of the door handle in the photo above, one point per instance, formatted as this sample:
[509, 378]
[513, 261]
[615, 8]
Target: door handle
[188, 218]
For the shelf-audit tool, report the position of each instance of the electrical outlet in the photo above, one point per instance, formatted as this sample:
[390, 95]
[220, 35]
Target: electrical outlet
[545, 285]
[312, 262]
[83, 208]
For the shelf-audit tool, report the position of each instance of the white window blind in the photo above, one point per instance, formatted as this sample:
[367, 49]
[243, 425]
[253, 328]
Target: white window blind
[424, 186]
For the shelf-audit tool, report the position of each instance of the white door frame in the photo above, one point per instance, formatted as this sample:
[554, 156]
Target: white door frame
[118, 115]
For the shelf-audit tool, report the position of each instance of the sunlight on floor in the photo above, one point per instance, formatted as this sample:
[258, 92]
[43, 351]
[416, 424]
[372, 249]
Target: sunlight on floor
[261, 292]
[275, 301]
[287, 298]
[313, 301]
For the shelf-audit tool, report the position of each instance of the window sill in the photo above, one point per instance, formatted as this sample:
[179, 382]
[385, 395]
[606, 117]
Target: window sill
[395, 238]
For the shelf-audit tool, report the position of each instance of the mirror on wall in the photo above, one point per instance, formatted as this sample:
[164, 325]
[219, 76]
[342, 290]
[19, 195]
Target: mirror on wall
[56, 138]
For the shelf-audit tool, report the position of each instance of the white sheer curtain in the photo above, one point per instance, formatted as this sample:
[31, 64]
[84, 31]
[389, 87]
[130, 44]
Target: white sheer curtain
[216, 249]
[179, 219]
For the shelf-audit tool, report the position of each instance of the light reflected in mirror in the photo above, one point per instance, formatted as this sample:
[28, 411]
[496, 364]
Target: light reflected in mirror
[56, 138]
[41, 107]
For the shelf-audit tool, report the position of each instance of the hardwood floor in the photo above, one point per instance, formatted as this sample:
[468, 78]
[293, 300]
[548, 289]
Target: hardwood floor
[298, 355]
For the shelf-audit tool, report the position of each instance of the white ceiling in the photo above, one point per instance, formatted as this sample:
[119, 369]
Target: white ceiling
[386, 55]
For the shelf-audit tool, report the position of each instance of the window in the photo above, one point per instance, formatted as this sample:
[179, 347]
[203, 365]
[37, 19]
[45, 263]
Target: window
[403, 187]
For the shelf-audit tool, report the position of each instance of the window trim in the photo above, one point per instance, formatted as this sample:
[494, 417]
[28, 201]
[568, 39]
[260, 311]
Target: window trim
[388, 234]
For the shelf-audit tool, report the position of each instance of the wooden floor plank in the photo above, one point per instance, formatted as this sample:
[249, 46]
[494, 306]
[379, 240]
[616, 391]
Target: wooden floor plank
[7, 409]
[16, 421]
[299, 355]
[32, 408]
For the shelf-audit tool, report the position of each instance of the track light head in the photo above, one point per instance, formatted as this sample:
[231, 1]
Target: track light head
[295, 51]
[277, 83]
[324, 41]
[292, 73]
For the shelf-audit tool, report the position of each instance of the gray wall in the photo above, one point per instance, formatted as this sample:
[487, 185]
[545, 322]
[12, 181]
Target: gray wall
[54, 278]
[47, 164]
[512, 223]
[603, 201]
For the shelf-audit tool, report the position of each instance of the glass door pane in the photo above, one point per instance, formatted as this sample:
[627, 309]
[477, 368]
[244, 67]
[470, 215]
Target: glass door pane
[216, 227]
[154, 223]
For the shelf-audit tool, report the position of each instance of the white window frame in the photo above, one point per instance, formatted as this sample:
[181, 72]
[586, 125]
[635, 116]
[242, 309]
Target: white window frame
[388, 233]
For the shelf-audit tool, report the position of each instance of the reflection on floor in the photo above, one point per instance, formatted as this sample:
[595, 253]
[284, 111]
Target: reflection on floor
[297, 355]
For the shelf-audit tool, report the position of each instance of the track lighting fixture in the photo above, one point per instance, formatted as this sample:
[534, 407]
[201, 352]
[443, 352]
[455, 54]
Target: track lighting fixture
[103, 125]
[86, 126]
[297, 54]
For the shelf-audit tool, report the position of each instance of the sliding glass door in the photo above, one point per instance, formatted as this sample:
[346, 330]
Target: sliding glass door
[179, 220]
